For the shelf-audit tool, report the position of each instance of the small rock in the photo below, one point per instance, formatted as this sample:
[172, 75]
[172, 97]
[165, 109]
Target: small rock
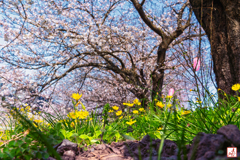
[232, 133]
[67, 145]
[69, 153]
[100, 147]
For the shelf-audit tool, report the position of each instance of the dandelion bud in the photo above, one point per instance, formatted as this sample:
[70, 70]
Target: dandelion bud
[171, 92]
[196, 64]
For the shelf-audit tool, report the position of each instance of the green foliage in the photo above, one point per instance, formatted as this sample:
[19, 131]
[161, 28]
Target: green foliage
[25, 148]
[168, 122]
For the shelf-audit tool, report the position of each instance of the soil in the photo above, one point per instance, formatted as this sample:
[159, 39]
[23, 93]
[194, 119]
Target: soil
[204, 147]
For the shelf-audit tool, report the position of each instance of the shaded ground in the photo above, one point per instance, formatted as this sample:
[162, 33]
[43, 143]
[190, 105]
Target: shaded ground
[204, 147]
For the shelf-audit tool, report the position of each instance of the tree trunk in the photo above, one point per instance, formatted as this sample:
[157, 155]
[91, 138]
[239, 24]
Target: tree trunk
[221, 21]
[157, 77]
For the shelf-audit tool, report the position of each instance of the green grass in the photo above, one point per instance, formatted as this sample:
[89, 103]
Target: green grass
[33, 137]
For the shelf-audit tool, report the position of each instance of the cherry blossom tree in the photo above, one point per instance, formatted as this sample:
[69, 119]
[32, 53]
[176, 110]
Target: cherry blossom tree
[220, 20]
[108, 47]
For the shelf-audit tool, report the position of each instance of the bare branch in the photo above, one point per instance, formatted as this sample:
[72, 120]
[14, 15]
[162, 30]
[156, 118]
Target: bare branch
[146, 20]
[142, 3]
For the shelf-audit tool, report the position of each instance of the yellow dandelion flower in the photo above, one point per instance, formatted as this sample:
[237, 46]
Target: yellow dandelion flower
[198, 101]
[155, 99]
[225, 94]
[169, 105]
[38, 121]
[28, 108]
[72, 115]
[190, 90]
[236, 87]
[121, 117]
[115, 108]
[239, 99]
[219, 89]
[128, 104]
[185, 113]
[78, 114]
[141, 109]
[82, 114]
[118, 113]
[110, 111]
[160, 104]
[135, 101]
[135, 111]
[160, 128]
[139, 104]
[169, 96]
[76, 96]
[61, 121]
[131, 122]
[72, 124]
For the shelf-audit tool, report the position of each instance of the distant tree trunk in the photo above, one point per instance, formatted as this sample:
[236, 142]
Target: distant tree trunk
[158, 74]
[221, 21]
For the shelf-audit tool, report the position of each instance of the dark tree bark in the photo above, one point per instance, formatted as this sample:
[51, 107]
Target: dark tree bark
[157, 77]
[220, 19]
